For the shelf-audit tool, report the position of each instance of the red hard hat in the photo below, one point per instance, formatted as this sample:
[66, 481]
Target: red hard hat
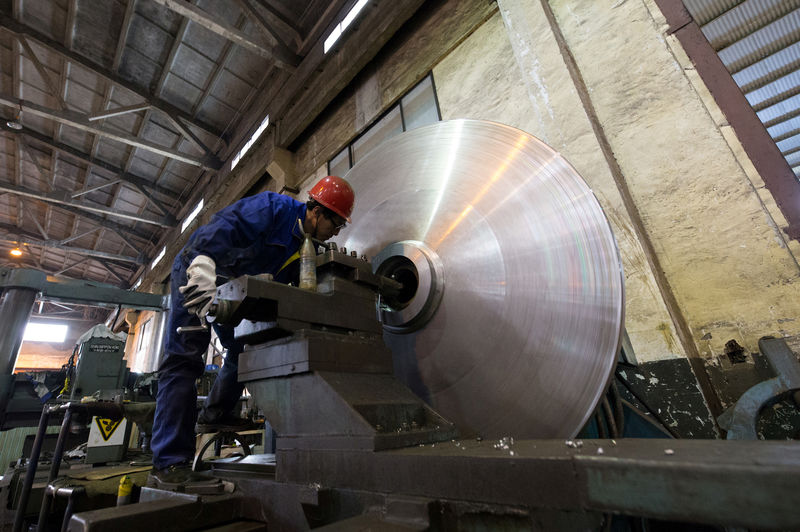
[334, 193]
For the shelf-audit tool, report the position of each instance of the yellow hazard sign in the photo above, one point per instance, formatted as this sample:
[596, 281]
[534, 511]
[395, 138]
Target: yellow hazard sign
[107, 427]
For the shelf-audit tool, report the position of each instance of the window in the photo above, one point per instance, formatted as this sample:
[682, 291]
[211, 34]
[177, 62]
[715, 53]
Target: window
[416, 109]
[249, 143]
[419, 106]
[158, 257]
[44, 332]
[340, 164]
[192, 215]
[337, 32]
[385, 128]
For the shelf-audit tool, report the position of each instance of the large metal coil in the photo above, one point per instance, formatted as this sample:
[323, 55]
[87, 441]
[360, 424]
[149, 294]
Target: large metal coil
[510, 318]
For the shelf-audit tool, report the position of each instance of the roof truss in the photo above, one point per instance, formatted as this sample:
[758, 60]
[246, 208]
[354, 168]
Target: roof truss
[18, 29]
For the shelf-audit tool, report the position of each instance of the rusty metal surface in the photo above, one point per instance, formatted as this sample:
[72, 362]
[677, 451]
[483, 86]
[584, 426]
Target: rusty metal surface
[168, 513]
[730, 483]
[691, 481]
[526, 333]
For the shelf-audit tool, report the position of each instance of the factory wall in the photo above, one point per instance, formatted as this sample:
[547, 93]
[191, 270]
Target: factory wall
[704, 255]
[713, 225]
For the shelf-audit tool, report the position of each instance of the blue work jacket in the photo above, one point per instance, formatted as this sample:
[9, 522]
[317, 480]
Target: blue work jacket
[255, 235]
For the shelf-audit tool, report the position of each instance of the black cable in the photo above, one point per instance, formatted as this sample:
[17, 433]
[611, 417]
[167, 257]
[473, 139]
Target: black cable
[602, 433]
[612, 425]
[618, 411]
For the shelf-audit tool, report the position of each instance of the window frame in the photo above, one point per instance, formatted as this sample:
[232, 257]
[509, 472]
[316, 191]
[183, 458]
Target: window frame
[385, 113]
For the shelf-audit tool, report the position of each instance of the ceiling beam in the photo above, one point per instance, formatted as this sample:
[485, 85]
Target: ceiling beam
[10, 25]
[73, 236]
[154, 202]
[119, 111]
[35, 160]
[69, 35]
[32, 216]
[76, 263]
[139, 183]
[321, 23]
[282, 21]
[80, 121]
[16, 81]
[123, 34]
[64, 197]
[54, 92]
[109, 269]
[123, 231]
[280, 57]
[162, 79]
[219, 66]
[274, 36]
[101, 186]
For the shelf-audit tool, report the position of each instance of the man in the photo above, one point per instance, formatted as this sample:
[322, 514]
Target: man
[255, 235]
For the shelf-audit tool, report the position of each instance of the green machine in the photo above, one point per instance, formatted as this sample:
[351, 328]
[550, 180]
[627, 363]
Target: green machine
[100, 367]
[101, 371]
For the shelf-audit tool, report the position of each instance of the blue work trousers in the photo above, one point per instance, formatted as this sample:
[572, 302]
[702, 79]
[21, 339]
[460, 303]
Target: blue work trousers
[173, 439]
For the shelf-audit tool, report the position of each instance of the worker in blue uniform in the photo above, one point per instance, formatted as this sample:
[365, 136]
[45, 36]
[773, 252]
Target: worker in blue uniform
[255, 235]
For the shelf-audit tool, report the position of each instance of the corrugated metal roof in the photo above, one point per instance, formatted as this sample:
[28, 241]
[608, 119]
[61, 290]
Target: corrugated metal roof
[784, 129]
[704, 11]
[770, 39]
[743, 19]
[779, 63]
[791, 144]
[759, 43]
[780, 111]
[774, 91]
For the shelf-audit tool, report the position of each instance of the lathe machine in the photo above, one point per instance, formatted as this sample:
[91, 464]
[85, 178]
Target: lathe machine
[441, 384]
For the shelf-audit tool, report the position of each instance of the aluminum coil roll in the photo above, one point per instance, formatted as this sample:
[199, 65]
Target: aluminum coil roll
[510, 319]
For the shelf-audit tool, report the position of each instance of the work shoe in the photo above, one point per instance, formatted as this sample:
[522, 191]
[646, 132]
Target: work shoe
[228, 423]
[177, 474]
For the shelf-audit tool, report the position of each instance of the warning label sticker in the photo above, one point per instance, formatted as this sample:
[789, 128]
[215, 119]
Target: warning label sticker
[107, 427]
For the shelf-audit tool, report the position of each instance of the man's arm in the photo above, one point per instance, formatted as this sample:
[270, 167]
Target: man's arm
[237, 226]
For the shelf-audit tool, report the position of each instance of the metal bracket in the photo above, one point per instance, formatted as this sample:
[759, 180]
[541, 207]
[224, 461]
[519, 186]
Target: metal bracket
[740, 419]
[69, 290]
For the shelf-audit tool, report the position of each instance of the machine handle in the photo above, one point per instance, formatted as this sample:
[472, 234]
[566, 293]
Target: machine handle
[192, 328]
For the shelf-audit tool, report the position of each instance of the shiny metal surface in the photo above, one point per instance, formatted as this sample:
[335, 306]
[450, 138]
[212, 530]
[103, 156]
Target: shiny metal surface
[525, 337]
[421, 271]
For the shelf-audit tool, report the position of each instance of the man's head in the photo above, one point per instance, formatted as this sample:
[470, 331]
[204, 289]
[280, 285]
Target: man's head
[330, 203]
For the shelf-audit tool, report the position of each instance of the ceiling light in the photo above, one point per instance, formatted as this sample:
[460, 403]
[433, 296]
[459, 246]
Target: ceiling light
[16, 252]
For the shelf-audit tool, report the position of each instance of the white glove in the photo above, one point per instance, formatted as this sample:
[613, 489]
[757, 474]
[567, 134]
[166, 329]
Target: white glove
[201, 286]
